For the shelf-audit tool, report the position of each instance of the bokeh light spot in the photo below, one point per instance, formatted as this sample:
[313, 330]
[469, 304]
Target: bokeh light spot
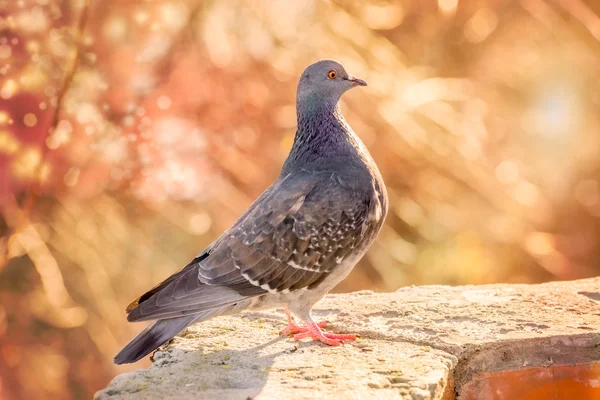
[163, 102]
[8, 89]
[540, 243]
[30, 120]
[8, 143]
[481, 25]
[26, 163]
[199, 223]
[507, 172]
[447, 7]
[383, 16]
[71, 177]
[4, 117]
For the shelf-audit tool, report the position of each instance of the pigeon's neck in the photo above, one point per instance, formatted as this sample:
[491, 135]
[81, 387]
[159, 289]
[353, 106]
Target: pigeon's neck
[323, 138]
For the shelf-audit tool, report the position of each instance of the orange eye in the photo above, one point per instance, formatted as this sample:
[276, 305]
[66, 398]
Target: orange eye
[332, 74]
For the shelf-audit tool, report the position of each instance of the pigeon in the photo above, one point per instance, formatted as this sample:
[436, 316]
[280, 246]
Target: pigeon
[297, 241]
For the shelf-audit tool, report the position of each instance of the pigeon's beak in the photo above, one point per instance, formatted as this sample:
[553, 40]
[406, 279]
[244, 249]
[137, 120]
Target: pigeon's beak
[356, 81]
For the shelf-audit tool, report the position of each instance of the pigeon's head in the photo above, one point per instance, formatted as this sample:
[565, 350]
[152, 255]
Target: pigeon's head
[325, 81]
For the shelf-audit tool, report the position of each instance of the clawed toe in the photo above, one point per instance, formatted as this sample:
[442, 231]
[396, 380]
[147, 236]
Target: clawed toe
[338, 336]
[323, 324]
[291, 329]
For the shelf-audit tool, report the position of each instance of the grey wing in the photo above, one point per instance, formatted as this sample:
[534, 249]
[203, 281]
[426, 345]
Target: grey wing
[184, 294]
[296, 237]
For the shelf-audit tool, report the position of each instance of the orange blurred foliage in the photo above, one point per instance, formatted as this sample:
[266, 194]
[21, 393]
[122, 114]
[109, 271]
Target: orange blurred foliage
[132, 133]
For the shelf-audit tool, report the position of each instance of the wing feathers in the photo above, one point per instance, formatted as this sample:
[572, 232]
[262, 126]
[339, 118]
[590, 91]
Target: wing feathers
[297, 235]
[186, 294]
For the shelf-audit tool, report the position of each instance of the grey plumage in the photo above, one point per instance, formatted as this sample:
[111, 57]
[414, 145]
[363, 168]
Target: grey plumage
[156, 334]
[296, 241]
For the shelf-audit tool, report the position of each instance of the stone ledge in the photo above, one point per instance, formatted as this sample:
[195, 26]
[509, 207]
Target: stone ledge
[428, 342]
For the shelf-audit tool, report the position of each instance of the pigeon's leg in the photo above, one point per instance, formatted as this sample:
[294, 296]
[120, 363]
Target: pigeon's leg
[314, 332]
[293, 328]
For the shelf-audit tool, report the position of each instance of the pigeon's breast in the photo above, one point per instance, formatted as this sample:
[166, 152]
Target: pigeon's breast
[362, 176]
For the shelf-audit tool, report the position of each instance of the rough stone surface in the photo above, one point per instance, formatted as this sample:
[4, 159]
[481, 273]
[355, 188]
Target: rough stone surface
[415, 343]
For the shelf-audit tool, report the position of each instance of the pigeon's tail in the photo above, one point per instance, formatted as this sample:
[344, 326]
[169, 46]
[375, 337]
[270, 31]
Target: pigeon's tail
[160, 331]
[155, 335]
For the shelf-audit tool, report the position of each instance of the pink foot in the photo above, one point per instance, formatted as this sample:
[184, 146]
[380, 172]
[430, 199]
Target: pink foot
[294, 328]
[330, 339]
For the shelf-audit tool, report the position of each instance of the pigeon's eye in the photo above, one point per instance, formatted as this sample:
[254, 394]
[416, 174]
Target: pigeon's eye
[332, 74]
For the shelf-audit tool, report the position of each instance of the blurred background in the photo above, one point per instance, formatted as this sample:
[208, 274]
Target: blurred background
[132, 133]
